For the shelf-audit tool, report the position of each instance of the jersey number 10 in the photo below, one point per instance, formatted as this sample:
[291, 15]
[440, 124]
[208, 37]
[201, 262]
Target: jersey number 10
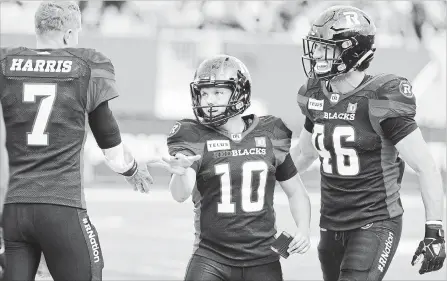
[37, 136]
[350, 167]
[226, 206]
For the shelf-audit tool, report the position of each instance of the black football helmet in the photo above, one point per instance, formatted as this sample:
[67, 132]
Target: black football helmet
[345, 31]
[226, 72]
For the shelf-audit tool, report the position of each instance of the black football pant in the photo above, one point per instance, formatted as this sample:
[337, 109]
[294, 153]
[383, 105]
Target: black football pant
[204, 269]
[362, 254]
[64, 234]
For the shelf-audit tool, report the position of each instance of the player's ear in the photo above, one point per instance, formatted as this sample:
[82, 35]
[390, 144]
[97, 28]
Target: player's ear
[67, 36]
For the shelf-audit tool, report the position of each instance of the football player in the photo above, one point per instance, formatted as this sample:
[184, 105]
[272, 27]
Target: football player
[46, 94]
[4, 179]
[363, 130]
[230, 164]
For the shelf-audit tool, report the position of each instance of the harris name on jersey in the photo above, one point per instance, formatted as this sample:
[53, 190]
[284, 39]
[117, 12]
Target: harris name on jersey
[50, 64]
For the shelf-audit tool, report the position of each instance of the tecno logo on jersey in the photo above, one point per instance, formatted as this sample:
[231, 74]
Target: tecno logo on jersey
[40, 65]
[215, 145]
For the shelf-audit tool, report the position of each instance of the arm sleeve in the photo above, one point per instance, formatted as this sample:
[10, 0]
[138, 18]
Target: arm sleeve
[397, 128]
[104, 126]
[308, 125]
[286, 170]
[4, 163]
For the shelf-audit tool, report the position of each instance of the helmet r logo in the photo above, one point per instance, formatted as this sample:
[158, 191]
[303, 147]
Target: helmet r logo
[405, 89]
[174, 129]
[352, 18]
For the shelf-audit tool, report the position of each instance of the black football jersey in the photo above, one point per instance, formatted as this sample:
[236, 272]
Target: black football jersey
[236, 178]
[45, 96]
[360, 169]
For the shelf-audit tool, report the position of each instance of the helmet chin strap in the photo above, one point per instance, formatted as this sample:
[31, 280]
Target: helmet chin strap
[359, 62]
[364, 57]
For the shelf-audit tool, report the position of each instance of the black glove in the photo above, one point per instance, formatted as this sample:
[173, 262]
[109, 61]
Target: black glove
[2, 254]
[431, 250]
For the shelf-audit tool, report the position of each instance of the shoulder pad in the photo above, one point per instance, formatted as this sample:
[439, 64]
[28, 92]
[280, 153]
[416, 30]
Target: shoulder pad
[393, 98]
[277, 126]
[305, 92]
[280, 136]
[10, 51]
[95, 59]
[309, 85]
[185, 130]
[281, 131]
[397, 89]
[186, 137]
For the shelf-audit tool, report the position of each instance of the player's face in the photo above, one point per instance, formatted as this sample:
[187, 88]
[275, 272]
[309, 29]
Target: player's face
[324, 55]
[214, 96]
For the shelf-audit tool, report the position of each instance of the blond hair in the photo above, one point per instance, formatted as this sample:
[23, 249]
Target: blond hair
[57, 16]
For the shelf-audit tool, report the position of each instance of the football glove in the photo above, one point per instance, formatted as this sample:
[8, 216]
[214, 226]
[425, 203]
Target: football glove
[2, 254]
[139, 177]
[431, 250]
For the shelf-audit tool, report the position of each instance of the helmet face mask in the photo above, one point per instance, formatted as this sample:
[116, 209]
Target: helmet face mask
[221, 72]
[327, 65]
[346, 36]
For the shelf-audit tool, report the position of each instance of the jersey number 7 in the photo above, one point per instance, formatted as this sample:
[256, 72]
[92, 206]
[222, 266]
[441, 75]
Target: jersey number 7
[346, 159]
[37, 136]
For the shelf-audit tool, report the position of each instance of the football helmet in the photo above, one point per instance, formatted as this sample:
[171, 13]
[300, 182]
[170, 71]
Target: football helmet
[345, 36]
[226, 72]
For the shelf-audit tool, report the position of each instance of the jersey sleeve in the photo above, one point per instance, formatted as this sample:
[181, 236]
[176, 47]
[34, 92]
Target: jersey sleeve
[302, 100]
[186, 139]
[281, 141]
[102, 85]
[308, 125]
[4, 164]
[9, 51]
[392, 112]
[304, 94]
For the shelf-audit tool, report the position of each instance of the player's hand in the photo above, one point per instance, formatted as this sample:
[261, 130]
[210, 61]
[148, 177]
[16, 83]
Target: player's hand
[175, 164]
[300, 243]
[431, 250]
[141, 179]
[2, 254]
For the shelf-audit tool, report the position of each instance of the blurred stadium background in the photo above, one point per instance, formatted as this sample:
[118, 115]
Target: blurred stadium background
[156, 46]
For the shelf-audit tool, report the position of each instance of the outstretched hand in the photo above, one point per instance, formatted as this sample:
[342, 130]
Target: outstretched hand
[174, 164]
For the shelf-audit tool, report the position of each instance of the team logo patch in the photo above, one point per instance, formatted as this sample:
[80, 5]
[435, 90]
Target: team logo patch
[335, 97]
[406, 89]
[315, 104]
[260, 142]
[215, 145]
[236, 137]
[174, 129]
[352, 108]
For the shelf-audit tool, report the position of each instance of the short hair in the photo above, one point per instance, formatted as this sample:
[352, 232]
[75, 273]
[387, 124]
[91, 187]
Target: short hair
[57, 16]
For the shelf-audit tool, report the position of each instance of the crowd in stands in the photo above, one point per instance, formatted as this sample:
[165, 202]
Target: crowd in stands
[396, 18]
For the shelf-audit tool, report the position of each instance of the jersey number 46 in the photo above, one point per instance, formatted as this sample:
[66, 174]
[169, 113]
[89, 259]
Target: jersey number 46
[346, 159]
